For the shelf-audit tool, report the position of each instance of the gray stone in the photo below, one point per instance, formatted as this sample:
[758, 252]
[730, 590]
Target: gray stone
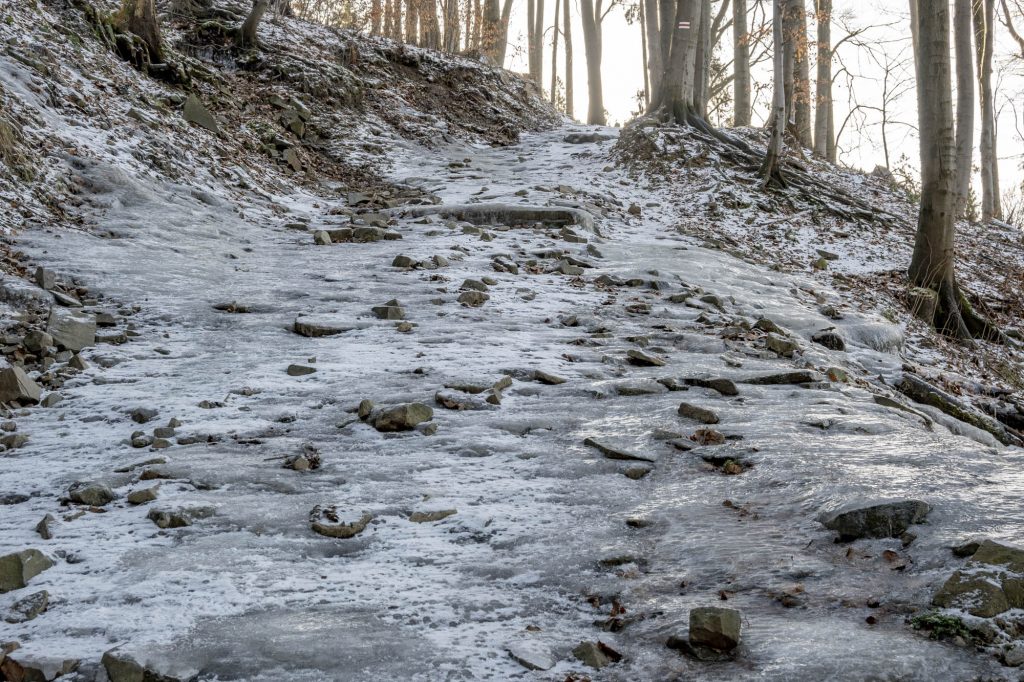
[803, 376]
[143, 495]
[990, 584]
[15, 386]
[473, 299]
[531, 655]
[45, 527]
[402, 417]
[403, 262]
[887, 519]
[830, 340]
[45, 278]
[723, 386]
[37, 340]
[195, 112]
[300, 370]
[474, 285]
[715, 627]
[612, 452]
[91, 493]
[28, 608]
[641, 359]
[122, 665]
[781, 345]
[593, 654]
[697, 413]
[321, 238]
[392, 310]
[456, 400]
[546, 378]
[71, 330]
[17, 569]
[142, 415]
[76, 362]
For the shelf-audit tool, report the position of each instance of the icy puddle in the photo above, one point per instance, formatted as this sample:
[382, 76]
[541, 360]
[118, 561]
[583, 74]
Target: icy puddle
[538, 552]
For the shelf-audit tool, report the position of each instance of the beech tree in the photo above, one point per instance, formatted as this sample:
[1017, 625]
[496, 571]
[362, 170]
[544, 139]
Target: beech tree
[535, 40]
[678, 40]
[797, 78]
[567, 32]
[494, 32]
[938, 297]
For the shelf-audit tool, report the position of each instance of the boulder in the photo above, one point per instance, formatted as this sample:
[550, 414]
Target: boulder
[402, 417]
[392, 310]
[781, 345]
[37, 341]
[196, 113]
[991, 583]
[91, 493]
[473, 299]
[613, 452]
[27, 608]
[596, 655]
[887, 519]
[723, 386]
[830, 340]
[531, 655]
[17, 569]
[641, 359]
[715, 627]
[45, 278]
[697, 413]
[15, 386]
[71, 330]
[122, 665]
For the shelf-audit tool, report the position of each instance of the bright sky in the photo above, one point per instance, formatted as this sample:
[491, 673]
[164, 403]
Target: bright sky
[860, 141]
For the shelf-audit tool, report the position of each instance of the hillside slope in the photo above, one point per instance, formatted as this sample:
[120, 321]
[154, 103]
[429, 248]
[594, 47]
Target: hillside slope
[446, 394]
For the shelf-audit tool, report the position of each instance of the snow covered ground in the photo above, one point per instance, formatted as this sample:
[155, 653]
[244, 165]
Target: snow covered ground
[249, 592]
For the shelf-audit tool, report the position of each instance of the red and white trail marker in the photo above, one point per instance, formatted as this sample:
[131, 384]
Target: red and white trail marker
[684, 25]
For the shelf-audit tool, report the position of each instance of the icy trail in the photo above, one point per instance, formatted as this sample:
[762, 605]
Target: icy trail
[250, 592]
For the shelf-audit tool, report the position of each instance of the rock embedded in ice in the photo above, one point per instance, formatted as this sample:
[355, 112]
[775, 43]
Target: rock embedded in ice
[327, 521]
[642, 359]
[45, 527]
[990, 584]
[16, 386]
[71, 330]
[596, 655]
[300, 370]
[402, 417]
[141, 415]
[803, 376]
[546, 378]
[28, 608]
[392, 310]
[830, 340]
[431, 516]
[531, 655]
[697, 413]
[781, 345]
[91, 493]
[714, 634]
[613, 452]
[888, 519]
[723, 386]
[45, 278]
[473, 299]
[143, 495]
[17, 569]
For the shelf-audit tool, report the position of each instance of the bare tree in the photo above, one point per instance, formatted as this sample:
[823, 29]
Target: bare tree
[591, 14]
[494, 33]
[535, 40]
[797, 70]
[451, 25]
[675, 86]
[554, 52]
[741, 64]
[931, 267]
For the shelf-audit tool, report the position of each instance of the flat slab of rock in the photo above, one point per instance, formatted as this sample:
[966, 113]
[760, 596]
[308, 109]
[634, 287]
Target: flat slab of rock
[614, 452]
[318, 326]
[642, 359]
[884, 519]
[802, 376]
[723, 386]
[531, 655]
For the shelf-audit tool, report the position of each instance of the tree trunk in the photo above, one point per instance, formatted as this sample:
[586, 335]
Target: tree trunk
[567, 30]
[654, 63]
[554, 53]
[375, 18]
[412, 21]
[592, 45]
[451, 26]
[247, 34]
[139, 18]
[430, 29]
[931, 266]
[964, 102]
[741, 64]
[643, 54]
[702, 60]
[984, 32]
[823, 88]
[801, 74]
[678, 79]
[771, 170]
[535, 40]
[494, 35]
